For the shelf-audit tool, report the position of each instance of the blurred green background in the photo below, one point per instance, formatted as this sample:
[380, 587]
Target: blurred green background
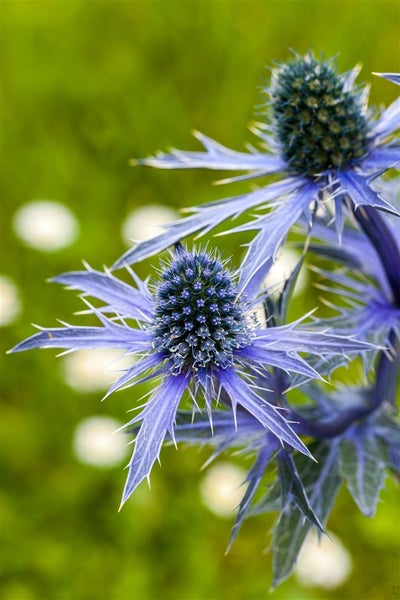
[87, 85]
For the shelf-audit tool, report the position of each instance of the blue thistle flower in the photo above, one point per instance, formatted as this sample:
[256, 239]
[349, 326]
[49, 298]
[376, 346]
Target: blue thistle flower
[323, 140]
[196, 333]
[370, 279]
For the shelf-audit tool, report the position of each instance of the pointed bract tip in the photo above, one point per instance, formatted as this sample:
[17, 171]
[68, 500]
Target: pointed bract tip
[228, 548]
[393, 77]
[18, 348]
[309, 454]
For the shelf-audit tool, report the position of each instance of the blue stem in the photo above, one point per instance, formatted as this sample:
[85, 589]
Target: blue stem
[333, 428]
[388, 372]
[375, 228]
[383, 390]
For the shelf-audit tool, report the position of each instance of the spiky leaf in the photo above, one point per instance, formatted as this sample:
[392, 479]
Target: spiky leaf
[321, 481]
[292, 489]
[362, 463]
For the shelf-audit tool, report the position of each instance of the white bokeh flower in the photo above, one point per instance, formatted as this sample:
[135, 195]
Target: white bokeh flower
[323, 563]
[10, 304]
[98, 442]
[46, 225]
[146, 222]
[94, 370]
[222, 488]
[281, 271]
[277, 276]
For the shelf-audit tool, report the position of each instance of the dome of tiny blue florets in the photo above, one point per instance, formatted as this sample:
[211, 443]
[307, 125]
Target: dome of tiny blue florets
[318, 122]
[199, 321]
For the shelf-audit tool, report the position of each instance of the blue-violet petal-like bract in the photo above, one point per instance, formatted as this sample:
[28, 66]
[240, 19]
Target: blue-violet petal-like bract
[195, 333]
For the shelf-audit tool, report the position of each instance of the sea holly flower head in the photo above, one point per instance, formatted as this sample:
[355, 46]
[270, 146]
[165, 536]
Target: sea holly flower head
[196, 334]
[319, 136]
[318, 122]
[199, 319]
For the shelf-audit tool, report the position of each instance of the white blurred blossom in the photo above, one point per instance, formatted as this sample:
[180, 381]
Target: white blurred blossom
[146, 222]
[46, 225]
[97, 442]
[323, 563]
[222, 488]
[10, 304]
[278, 274]
[281, 271]
[94, 370]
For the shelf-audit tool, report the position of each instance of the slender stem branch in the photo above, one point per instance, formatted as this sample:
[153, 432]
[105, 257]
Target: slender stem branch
[332, 428]
[388, 372]
[383, 390]
[373, 225]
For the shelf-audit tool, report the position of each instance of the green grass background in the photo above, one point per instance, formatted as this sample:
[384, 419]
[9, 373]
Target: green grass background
[87, 85]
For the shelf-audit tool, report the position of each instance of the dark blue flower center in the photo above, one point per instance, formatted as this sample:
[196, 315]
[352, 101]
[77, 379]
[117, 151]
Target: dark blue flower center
[199, 320]
[318, 122]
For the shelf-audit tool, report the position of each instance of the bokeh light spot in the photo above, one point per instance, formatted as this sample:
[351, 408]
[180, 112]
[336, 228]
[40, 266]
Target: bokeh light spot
[46, 225]
[146, 222]
[323, 563]
[97, 442]
[222, 488]
[10, 305]
[94, 370]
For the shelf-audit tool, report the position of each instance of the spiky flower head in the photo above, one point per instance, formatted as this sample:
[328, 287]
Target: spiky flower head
[319, 136]
[198, 334]
[199, 319]
[318, 120]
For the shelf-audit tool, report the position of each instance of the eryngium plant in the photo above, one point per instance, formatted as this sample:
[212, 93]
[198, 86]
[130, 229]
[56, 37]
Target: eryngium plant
[196, 333]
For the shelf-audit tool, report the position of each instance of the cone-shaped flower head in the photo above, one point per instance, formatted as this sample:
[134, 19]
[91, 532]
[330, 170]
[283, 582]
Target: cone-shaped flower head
[318, 121]
[199, 320]
[197, 334]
